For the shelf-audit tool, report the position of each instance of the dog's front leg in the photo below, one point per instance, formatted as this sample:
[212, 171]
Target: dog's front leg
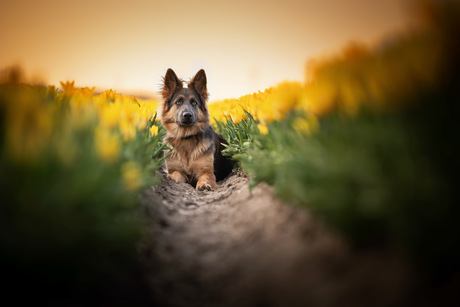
[174, 168]
[204, 172]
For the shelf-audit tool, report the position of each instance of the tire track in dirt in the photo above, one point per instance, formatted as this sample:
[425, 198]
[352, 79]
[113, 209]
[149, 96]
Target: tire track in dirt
[230, 247]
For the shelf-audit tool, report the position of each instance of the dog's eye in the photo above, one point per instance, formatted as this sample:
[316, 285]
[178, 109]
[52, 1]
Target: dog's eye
[193, 102]
[178, 101]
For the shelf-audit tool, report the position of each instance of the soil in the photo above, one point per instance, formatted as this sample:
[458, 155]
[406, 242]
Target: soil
[233, 247]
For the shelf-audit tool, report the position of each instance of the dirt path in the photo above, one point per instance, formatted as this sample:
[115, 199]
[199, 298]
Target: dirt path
[231, 247]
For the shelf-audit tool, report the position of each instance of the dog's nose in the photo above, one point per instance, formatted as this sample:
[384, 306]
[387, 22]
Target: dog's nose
[187, 115]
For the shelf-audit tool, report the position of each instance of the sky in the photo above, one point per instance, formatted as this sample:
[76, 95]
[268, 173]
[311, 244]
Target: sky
[244, 46]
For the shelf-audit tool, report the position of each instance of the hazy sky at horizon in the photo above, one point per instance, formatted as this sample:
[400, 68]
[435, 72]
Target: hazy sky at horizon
[244, 46]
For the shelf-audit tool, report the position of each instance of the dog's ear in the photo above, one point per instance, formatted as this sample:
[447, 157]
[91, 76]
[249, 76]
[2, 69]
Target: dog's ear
[171, 84]
[198, 83]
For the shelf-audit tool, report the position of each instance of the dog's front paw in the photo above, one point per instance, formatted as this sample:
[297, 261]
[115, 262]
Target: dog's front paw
[204, 187]
[206, 183]
[176, 176]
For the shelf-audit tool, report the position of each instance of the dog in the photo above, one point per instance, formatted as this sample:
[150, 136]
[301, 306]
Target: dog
[196, 157]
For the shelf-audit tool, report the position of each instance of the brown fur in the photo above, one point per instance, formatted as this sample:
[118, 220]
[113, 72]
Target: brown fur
[196, 157]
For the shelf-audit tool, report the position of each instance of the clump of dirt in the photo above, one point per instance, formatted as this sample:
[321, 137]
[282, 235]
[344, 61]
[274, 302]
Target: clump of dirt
[233, 247]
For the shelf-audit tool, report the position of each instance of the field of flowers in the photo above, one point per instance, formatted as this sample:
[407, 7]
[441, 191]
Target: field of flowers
[369, 143]
[72, 163]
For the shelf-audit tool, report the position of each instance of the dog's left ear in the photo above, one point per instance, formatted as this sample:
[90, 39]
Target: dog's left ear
[171, 84]
[198, 83]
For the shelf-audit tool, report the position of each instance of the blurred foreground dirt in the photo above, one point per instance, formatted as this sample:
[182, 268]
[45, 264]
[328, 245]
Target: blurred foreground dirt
[233, 247]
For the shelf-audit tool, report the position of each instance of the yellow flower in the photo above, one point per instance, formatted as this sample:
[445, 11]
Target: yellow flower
[301, 125]
[263, 129]
[88, 92]
[110, 115]
[132, 175]
[128, 130]
[153, 130]
[68, 87]
[107, 144]
[305, 125]
[109, 94]
[142, 123]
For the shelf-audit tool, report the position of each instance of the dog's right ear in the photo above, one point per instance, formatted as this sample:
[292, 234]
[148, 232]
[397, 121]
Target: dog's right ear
[171, 84]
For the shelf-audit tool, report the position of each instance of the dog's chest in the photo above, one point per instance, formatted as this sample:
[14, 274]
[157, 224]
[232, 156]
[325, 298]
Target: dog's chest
[187, 151]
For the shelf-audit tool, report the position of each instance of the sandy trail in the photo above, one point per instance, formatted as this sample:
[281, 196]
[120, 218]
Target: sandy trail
[230, 247]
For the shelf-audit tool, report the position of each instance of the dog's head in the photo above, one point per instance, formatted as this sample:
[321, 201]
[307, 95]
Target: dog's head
[184, 111]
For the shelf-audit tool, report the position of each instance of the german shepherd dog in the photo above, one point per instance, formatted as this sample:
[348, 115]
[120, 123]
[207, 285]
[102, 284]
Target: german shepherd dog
[196, 156]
